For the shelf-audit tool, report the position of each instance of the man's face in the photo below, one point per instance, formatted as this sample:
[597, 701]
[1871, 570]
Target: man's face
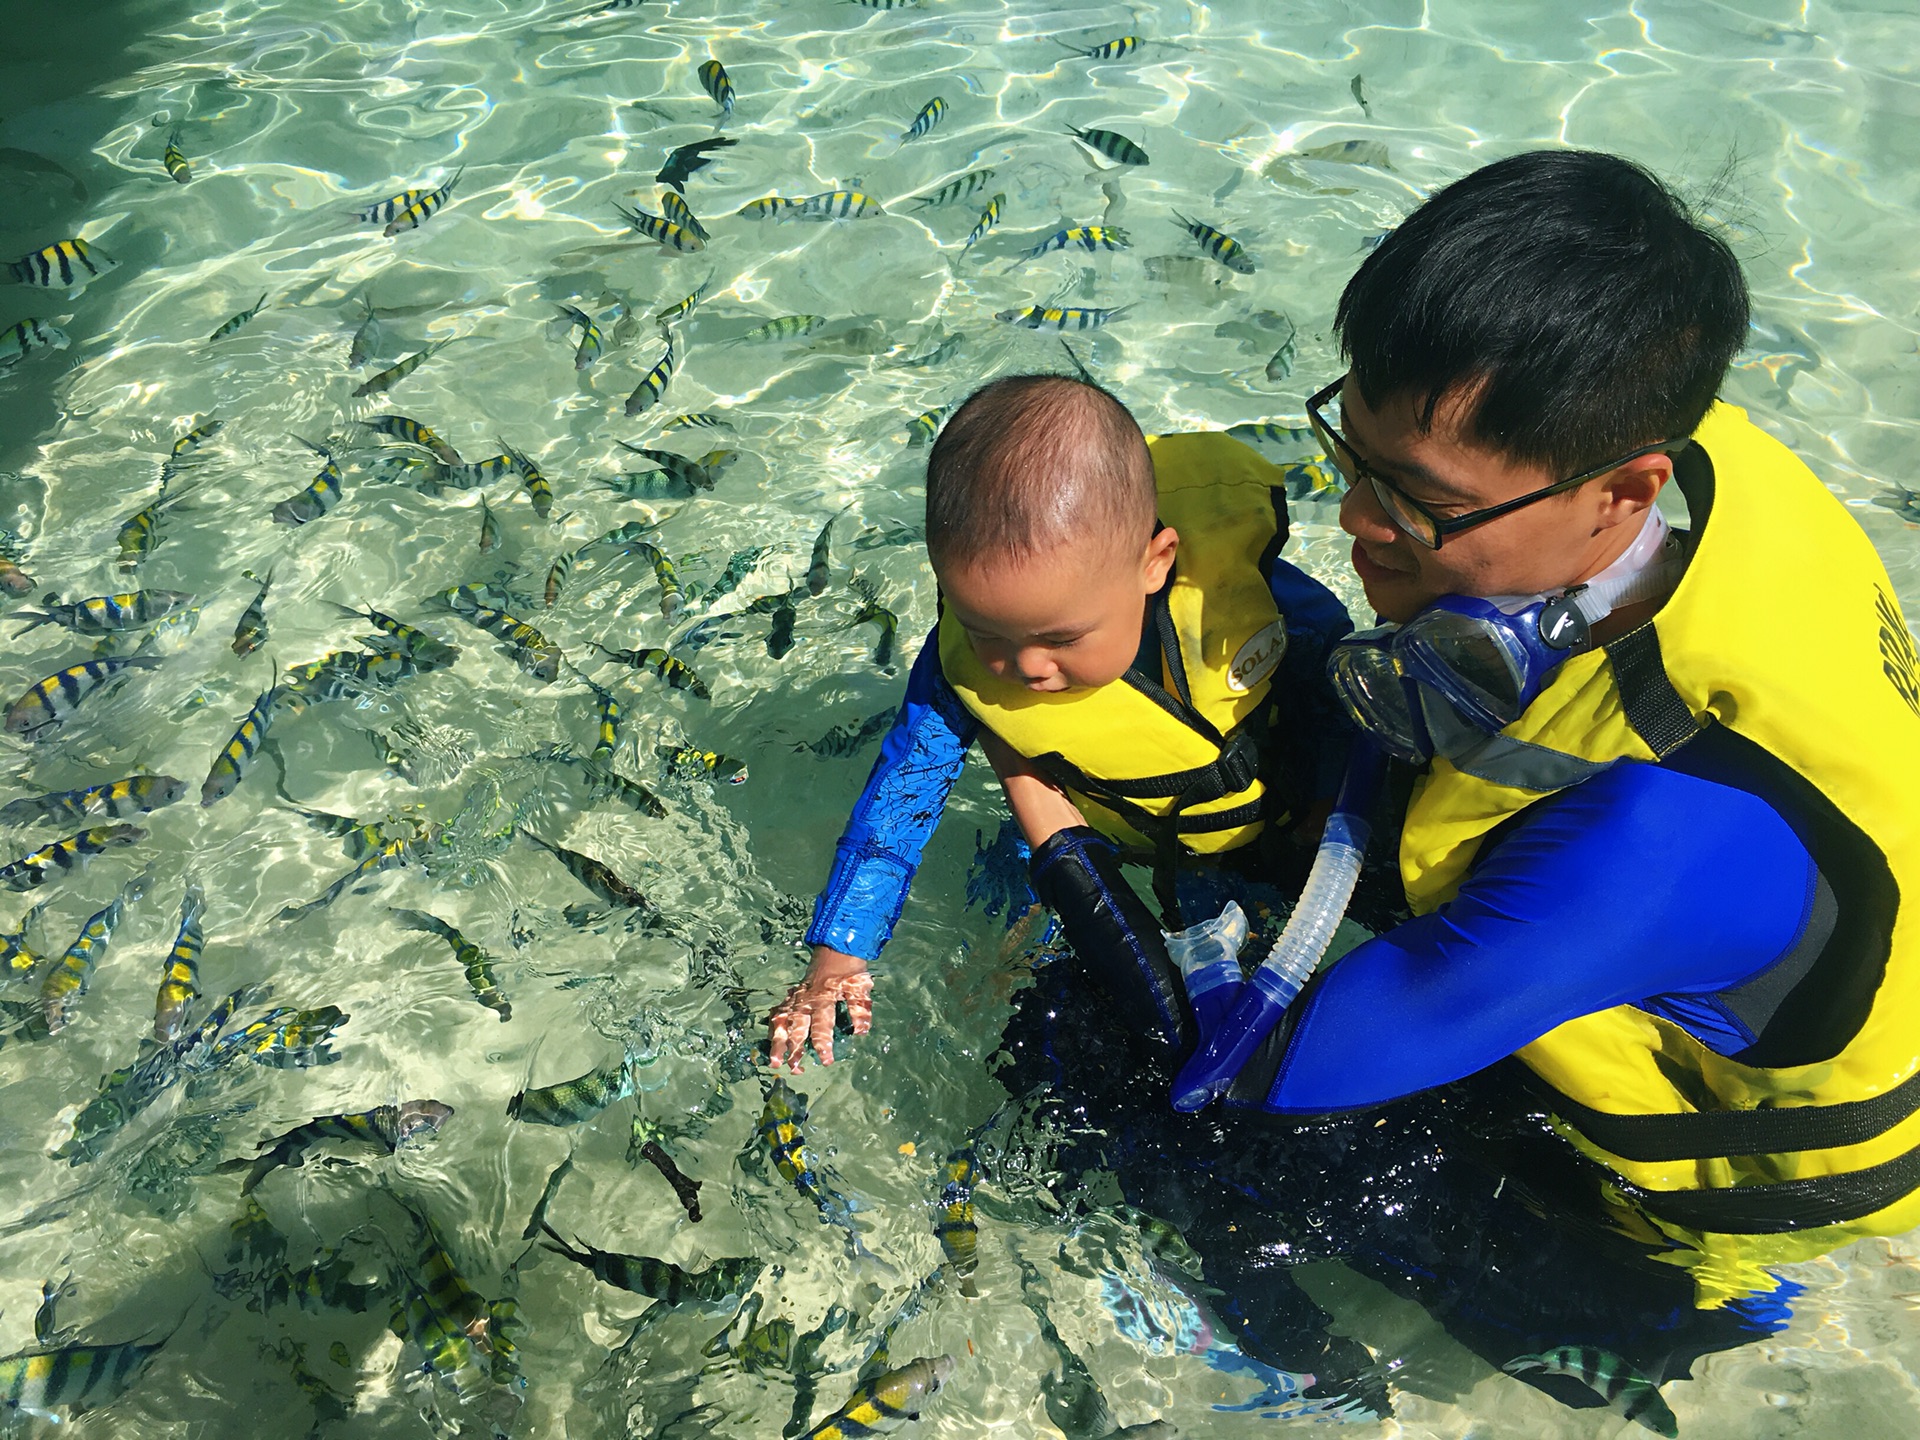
[1536, 549]
[1066, 620]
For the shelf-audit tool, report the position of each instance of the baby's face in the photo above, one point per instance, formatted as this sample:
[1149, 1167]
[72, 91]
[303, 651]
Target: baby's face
[1066, 620]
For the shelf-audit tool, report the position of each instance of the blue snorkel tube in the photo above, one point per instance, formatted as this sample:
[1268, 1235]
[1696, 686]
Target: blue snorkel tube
[1260, 1001]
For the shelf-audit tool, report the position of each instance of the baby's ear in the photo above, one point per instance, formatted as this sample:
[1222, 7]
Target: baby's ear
[1158, 558]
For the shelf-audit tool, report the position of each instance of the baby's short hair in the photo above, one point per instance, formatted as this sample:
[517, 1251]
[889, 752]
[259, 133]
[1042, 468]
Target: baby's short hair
[1032, 462]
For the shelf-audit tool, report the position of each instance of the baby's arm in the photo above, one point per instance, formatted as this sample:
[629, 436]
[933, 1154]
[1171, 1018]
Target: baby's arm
[875, 861]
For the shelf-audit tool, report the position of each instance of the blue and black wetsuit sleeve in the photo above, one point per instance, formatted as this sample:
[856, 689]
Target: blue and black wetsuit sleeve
[1643, 886]
[1311, 727]
[874, 863]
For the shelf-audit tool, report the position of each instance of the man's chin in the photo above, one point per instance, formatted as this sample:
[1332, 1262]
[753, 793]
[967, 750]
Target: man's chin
[1393, 598]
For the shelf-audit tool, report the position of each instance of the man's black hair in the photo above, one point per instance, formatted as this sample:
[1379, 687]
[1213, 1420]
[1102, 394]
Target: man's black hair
[1567, 295]
[1033, 462]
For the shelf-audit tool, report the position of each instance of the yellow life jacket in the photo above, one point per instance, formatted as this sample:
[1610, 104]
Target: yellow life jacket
[1172, 759]
[1783, 649]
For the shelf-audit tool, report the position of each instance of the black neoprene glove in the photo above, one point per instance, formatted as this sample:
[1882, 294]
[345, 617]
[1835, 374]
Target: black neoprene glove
[1077, 874]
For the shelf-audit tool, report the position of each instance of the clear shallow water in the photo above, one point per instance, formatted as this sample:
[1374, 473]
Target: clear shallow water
[1791, 121]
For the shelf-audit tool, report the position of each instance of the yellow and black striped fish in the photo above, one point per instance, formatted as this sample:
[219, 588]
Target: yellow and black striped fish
[671, 595]
[575, 1101]
[925, 426]
[954, 1225]
[680, 309]
[384, 211]
[34, 1383]
[66, 979]
[596, 876]
[660, 1280]
[680, 468]
[592, 343]
[648, 392]
[970, 183]
[387, 1127]
[1117, 148]
[230, 765]
[606, 723]
[780, 1121]
[234, 322]
[677, 673]
[322, 493]
[539, 491]
[989, 218]
[766, 207]
[250, 630]
[65, 264]
[421, 208]
[886, 1400]
[1088, 237]
[656, 227]
[702, 418]
[1217, 243]
[714, 80]
[840, 205]
[784, 327]
[1048, 317]
[928, 117]
[685, 759]
[21, 339]
[107, 614]
[1115, 49]
[53, 700]
[115, 800]
[1625, 1389]
[175, 159]
[475, 961]
[426, 651]
[557, 576]
[412, 432]
[31, 871]
[393, 375]
[674, 206]
[531, 651]
[180, 975]
[285, 1038]
[16, 955]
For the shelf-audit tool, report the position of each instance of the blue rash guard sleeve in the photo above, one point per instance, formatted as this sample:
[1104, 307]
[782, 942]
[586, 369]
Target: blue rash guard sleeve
[1641, 886]
[874, 863]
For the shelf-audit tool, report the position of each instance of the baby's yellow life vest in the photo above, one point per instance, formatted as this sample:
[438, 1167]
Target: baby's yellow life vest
[1784, 638]
[1170, 759]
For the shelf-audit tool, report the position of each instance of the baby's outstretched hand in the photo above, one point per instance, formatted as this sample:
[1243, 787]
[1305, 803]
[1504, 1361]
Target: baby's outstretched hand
[808, 1011]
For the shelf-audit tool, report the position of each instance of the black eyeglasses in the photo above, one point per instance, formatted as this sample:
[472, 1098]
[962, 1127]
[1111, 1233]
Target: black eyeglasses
[1416, 520]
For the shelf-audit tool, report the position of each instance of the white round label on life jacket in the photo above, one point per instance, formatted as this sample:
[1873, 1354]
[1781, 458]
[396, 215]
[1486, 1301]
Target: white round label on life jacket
[1255, 660]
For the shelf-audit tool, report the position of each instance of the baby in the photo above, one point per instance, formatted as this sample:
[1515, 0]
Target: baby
[1115, 630]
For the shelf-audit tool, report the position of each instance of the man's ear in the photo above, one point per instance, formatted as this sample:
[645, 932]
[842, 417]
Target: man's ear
[1158, 559]
[1628, 492]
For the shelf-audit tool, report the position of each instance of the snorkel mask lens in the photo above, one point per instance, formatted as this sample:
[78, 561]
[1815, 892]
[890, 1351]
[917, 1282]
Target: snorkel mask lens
[1476, 661]
[1379, 694]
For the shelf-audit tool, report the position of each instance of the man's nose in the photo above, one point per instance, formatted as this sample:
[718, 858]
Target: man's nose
[1362, 517]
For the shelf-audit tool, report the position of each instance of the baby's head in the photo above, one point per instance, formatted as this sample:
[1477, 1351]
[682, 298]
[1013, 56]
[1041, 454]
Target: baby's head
[1041, 529]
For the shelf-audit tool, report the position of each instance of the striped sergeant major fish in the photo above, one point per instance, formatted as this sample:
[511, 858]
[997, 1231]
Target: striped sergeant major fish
[852, 737]
[715, 81]
[385, 1127]
[1117, 148]
[786, 615]
[66, 856]
[65, 264]
[680, 309]
[180, 974]
[606, 723]
[195, 438]
[954, 1225]
[929, 116]
[597, 877]
[605, 783]
[36, 1382]
[660, 1280]
[671, 595]
[391, 855]
[925, 426]
[440, 1311]
[658, 227]
[539, 490]
[250, 630]
[477, 964]
[785, 327]
[779, 1128]
[680, 468]
[489, 527]
[970, 183]
[115, 800]
[366, 336]
[886, 1400]
[340, 674]
[230, 765]
[677, 673]
[691, 760]
[1628, 1392]
[425, 651]
[394, 374]
[874, 613]
[829, 205]
[175, 159]
[384, 211]
[704, 419]
[820, 563]
[1088, 237]
[1116, 49]
[412, 432]
[886, 4]
[1272, 430]
[1049, 317]
[321, 495]
[648, 392]
[234, 322]
[284, 1039]
[557, 575]
[106, 614]
[531, 651]
[422, 208]
[19, 960]
[66, 980]
[52, 701]
[592, 343]
[1217, 243]
[19, 340]
[575, 1101]
[674, 206]
[740, 565]
[478, 472]
[989, 218]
